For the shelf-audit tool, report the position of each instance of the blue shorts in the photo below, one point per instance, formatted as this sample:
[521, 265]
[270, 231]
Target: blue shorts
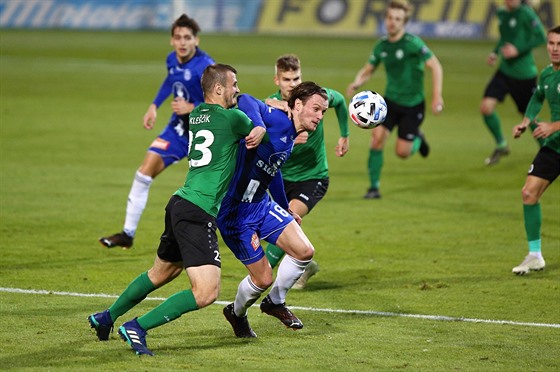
[243, 225]
[172, 143]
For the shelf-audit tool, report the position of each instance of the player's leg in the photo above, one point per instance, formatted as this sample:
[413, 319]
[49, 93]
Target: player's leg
[544, 170]
[410, 139]
[495, 92]
[379, 136]
[168, 148]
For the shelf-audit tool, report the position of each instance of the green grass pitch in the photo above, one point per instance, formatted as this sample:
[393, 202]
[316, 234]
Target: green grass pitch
[419, 280]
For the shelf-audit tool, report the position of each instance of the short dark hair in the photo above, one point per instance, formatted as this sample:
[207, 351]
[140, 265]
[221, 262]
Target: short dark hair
[304, 91]
[185, 21]
[287, 62]
[554, 30]
[215, 74]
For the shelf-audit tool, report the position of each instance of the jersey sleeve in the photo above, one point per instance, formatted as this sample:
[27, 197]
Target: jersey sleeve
[537, 99]
[535, 32]
[375, 56]
[253, 108]
[338, 102]
[423, 50]
[277, 191]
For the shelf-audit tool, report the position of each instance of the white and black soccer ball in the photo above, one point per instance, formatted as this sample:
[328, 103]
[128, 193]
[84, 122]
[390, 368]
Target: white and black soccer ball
[367, 109]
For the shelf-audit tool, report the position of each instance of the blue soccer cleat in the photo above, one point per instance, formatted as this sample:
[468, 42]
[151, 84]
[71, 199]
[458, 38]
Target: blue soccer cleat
[102, 323]
[135, 336]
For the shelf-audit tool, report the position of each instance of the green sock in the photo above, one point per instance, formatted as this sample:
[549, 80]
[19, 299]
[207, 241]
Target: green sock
[533, 126]
[415, 145]
[136, 291]
[375, 163]
[170, 309]
[493, 123]
[274, 254]
[533, 218]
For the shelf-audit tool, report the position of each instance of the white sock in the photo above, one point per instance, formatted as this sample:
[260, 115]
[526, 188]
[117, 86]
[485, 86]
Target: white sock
[289, 272]
[247, 294]
[137, 199]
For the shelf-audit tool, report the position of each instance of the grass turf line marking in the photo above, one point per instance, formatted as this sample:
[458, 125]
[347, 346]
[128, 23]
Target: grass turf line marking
[338, 311]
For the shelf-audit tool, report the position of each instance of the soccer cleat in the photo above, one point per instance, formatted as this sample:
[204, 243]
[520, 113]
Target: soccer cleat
[424, 149]
[135, 336]
[372, 193]
[530, 263]
[117, 240]
[497, 155]
[240, 325]
[311, 269]
[281, 312]
[102, 323]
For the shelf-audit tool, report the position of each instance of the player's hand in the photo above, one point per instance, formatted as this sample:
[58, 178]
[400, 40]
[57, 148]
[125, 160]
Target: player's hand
[519, 129]
[543, 130]
[254, 138]
[509, 51]
[492, 58]
[301, 138]
[437, 106]
[351, 89]
[150, 117]
[342, 148]
[181, 107]
[296, 216]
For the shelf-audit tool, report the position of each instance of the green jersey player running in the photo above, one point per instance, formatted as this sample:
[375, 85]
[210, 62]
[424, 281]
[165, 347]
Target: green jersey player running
[546, 165]
[189, 241]
[404, 57]
[306, 172]
[520, 32]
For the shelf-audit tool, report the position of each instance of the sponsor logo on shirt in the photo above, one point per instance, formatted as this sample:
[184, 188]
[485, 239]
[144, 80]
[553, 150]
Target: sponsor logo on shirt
[255, 242]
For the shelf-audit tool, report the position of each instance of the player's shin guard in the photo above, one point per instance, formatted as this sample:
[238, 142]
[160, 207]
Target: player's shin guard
[137, 200]
[247, 294]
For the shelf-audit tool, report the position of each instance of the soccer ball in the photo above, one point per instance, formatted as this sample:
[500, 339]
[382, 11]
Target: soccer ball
[367, 109]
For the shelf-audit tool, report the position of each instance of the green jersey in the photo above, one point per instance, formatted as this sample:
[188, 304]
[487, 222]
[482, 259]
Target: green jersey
[214, 134]
[522, 28]
[404, 62]
[308, 160]
[548, 88]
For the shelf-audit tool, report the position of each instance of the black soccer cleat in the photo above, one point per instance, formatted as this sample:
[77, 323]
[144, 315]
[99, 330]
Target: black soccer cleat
[424, 149]
[117, 240]
[372, 193]
[240, 325]
[281, 312]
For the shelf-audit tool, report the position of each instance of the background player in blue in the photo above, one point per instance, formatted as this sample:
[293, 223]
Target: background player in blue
[248, 214]
[185, 66]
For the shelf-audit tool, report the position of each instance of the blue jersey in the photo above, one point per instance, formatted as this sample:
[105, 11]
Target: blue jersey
[259, 169]
[183, 80]
[248, 213]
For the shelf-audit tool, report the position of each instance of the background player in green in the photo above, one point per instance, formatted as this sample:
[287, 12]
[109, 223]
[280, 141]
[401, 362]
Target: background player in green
[306, 172]
[189, 240]
[520, 32]
[546, 165]
[404, 57]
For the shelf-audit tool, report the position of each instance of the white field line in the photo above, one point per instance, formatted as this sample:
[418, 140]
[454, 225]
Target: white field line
[339, 311]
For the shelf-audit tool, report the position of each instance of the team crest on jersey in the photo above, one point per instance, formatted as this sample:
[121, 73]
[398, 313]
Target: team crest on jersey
[187, 75]
[512, 22]
[558, 88]
[399, 54]
[179, 90]
[255, 241]
[160, 143]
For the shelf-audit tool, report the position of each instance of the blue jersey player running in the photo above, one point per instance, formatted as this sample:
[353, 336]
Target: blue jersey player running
[249, 214]
[185, 66]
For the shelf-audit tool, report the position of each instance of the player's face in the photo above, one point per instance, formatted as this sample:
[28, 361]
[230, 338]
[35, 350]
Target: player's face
[553, 48]
[312, 112]
[286, 81]
[184, 43]
[230, 90]
[395, 21]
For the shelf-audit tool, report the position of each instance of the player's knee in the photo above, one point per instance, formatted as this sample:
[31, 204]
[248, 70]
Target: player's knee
[529, 196]
[205, 295]
[403, 154]
[486, 108]
[305, 253]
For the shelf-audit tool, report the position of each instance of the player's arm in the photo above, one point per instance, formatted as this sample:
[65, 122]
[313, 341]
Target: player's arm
[533, 108]
[278, 193]
[362, 76]
[151, 114]
[252, 108]
[338, 102]
[437, 84]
